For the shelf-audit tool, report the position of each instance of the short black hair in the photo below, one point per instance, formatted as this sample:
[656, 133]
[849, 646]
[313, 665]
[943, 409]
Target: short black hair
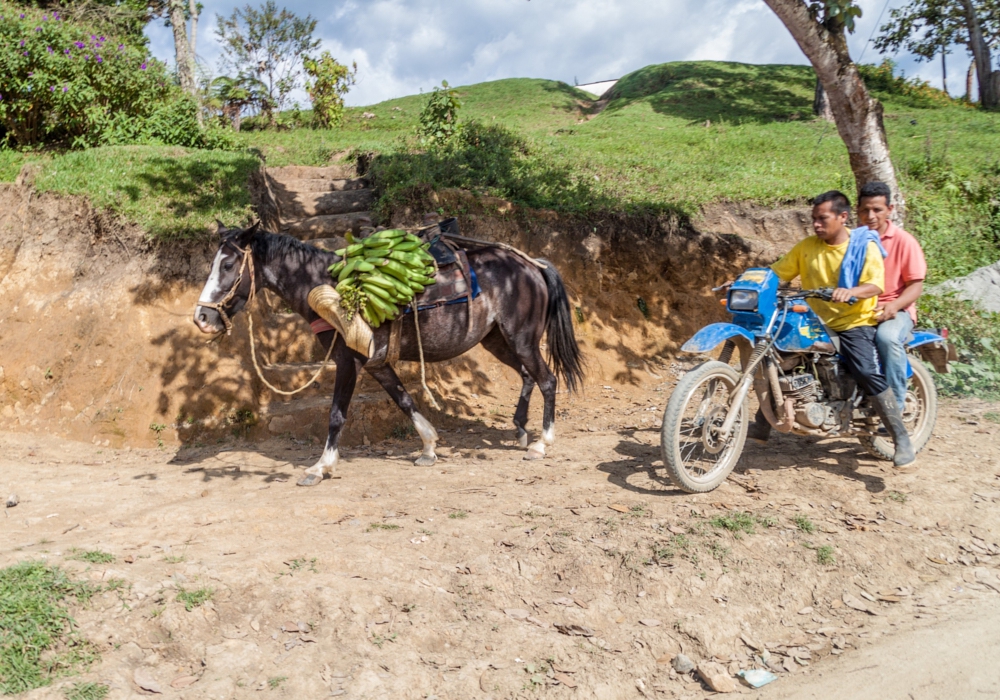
[839, 202]
[876, 189]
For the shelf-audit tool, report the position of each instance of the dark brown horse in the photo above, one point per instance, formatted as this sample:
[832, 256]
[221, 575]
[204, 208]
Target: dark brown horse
[519, 303]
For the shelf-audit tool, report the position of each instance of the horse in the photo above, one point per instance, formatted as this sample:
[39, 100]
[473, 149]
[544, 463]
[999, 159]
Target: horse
[519, 303]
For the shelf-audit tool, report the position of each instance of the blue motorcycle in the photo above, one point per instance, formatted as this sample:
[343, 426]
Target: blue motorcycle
[789, 359]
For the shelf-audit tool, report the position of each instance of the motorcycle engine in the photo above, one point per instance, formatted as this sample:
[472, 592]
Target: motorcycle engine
[805, 392]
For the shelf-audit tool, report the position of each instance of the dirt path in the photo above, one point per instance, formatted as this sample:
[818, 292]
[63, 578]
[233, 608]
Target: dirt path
[952, 659]
[486, 576]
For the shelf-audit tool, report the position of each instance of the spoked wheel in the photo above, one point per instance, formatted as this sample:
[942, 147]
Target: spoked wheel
[919, 414]
[697, 456]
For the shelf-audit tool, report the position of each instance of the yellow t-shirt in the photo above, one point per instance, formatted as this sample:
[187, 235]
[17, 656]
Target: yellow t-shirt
[818, 264]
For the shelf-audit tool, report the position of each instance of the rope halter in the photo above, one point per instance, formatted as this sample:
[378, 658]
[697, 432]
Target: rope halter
[220, 306]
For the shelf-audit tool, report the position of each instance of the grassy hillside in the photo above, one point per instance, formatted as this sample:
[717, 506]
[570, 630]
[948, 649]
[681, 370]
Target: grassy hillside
[673, 136]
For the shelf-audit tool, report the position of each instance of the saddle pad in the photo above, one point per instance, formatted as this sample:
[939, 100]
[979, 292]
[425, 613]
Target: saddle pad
[452, 286]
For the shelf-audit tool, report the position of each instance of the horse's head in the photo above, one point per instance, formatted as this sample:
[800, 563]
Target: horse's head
[229, 283]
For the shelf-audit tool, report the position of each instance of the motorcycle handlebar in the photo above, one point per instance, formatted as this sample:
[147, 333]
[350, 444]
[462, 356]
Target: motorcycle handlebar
[824, 293]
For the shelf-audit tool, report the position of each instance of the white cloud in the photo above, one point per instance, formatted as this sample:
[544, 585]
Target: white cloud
[403, 46]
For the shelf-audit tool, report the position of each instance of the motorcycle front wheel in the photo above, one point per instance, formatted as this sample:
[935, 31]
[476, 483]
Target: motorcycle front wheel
[696, 457]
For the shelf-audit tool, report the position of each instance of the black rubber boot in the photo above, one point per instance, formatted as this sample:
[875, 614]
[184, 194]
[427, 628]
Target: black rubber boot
[760, 430]
[892, 418]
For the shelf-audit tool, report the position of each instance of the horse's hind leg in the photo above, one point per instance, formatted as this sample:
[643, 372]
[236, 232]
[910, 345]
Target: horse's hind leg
[497, 345]
[386, 376]
[343, 389]
[533, 362]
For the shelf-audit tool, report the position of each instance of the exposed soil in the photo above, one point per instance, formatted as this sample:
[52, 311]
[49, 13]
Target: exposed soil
[484, 576]
[453, 581]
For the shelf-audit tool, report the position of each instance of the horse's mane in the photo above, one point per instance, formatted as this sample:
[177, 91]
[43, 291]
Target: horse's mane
[269, 247]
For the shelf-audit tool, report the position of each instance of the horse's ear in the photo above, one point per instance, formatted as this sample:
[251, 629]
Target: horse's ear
[244, 237]
[221, 229]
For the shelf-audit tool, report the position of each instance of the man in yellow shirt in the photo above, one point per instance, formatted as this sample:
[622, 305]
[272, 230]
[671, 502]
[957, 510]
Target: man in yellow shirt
[851, 263]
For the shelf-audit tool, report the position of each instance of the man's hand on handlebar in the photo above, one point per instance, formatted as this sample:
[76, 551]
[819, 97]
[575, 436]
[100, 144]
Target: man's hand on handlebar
[843, 296]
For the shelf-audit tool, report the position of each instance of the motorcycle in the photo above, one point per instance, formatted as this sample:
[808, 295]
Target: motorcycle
[790, 360]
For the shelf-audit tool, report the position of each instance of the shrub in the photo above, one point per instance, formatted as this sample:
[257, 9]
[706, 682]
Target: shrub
[64, 82]
[882, 79]
[439, 118]
[976, 335]
[328, 82]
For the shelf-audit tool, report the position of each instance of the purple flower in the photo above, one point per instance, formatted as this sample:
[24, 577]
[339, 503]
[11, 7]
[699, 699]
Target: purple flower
[38, 29]
[25, 53]
[66, 51]
[50, 49]
[55, 16]
[22, 43]
[86, 58]
[102, 39]
[65, 88]
[45, 18]
[31, 74]
[79, 44]
[22, 15]
[52, 89]
[143, 66]
[99, 59]
[121, 47]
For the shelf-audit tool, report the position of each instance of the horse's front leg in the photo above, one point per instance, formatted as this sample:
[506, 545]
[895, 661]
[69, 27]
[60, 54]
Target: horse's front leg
[348, 366]
[386, 376]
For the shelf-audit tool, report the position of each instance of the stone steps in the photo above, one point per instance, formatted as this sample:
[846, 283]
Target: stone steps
[340, 171]
[328, 225]
[295, 206]
[319, 185]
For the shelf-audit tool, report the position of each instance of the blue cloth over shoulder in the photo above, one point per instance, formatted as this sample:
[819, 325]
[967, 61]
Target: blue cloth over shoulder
[854, 258]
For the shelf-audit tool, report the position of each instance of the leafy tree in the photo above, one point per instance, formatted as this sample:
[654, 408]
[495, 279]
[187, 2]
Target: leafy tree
[232, 95]
[925, 28]
[439, 118]
[267, 45]
[820, 29]
[329, 82]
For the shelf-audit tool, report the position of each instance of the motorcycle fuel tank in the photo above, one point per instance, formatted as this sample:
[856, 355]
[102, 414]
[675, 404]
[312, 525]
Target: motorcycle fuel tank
[753, 300]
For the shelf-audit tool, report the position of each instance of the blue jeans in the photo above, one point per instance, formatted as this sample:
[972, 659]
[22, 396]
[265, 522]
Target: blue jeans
[890, 337]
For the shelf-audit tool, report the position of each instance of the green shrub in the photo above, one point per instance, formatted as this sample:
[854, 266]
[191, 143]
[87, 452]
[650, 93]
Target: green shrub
[328, 82]
[976, 335]
[66, 82]
[439, 118]
[882, 79]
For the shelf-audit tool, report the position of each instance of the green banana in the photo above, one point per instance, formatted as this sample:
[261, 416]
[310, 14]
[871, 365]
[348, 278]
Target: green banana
[379, 280]
[335, 269]
[373, 290]
[341, 252]
[348, 269]
[349, 237]
[406, 245]
[355, 249]
[363, 266]
[386, 307]
[390, 233]
[408, 259]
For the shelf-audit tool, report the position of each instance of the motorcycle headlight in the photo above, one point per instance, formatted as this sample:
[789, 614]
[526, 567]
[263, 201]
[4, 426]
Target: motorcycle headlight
[743, 300]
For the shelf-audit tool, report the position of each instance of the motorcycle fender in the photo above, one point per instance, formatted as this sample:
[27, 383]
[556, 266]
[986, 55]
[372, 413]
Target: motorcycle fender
[933, 349]
[710, 336]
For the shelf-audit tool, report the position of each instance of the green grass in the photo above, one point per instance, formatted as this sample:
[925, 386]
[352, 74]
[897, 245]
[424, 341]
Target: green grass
[741, 523]
[458, 515]
[375, 527]
[992, 416]
[193, 599]
[673, 137]
[86, 691]
[824, 555]
[804, 524]
[94, 556]
[37, 637]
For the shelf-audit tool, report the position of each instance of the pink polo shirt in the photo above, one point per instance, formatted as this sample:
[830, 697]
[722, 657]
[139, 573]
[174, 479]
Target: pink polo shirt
[904, 263]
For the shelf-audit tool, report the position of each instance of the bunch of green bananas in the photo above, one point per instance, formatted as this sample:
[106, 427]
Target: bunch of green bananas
[382, 272]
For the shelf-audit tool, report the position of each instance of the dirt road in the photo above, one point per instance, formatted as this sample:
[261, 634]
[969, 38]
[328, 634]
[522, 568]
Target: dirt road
[580, 576]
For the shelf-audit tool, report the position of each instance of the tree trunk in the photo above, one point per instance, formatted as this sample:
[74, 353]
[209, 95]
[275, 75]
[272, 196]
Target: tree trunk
[857, 115]
[821, 103]
[944, 72]
[968, 80]
[182, 49]
[981, 53]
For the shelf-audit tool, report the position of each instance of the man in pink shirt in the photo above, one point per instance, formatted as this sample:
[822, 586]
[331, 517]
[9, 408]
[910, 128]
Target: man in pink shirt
[905, 270]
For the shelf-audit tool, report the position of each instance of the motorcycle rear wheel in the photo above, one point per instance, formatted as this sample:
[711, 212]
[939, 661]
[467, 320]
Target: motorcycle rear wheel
[919, 415]
[696, 458]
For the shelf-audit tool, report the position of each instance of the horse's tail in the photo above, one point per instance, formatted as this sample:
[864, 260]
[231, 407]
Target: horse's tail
[564, 353]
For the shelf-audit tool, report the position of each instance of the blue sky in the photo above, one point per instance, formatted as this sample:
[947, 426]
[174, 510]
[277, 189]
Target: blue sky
[402, 47]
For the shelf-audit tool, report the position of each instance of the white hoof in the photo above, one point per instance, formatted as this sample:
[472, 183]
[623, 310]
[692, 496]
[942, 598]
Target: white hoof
[522, 437]
[426, 460]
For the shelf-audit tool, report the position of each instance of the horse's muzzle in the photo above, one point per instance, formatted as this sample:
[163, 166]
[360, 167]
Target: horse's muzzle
[208, 320]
